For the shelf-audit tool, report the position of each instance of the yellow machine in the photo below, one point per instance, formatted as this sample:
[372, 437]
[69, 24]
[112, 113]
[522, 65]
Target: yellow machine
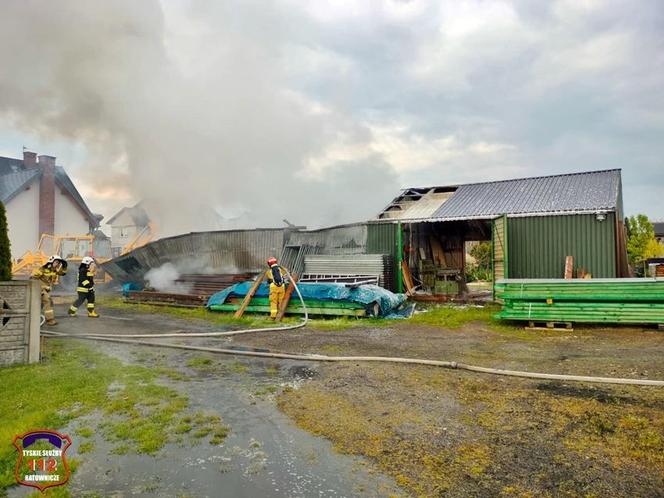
[73, 248]
[147, 234]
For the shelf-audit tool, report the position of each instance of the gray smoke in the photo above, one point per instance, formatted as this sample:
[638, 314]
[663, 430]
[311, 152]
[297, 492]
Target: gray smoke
[163, 279]
[198, 132]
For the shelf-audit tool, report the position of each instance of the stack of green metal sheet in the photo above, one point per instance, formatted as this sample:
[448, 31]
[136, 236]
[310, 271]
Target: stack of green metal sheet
[602, 300]
[314, 307]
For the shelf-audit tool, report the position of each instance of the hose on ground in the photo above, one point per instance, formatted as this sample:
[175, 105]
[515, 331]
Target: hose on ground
[384, 359]
[131, 339]
[304, 321]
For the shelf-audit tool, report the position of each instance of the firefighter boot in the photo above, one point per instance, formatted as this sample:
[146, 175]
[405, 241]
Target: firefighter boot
[72, 311]
[91, 311]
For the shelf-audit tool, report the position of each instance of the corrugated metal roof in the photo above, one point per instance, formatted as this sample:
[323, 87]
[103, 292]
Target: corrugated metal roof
[659, 228]
[224, 251]
[10, 165]
[12, 183]
[559, 194]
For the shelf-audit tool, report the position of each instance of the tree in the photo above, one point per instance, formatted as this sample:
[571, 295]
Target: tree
[641, 242]
[5, 249]
[481, 270]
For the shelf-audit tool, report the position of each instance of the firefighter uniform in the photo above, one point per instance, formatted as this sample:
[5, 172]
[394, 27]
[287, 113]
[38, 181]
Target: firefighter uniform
[48, 277]
[277, 288]
[85, 290]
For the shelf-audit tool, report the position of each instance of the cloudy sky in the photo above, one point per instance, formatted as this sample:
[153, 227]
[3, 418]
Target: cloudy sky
[320, 111]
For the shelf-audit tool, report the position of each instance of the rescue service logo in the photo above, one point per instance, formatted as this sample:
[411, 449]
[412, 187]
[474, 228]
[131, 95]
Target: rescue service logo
[41, 459]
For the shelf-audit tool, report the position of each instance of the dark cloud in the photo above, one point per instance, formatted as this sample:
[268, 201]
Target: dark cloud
[318, 112]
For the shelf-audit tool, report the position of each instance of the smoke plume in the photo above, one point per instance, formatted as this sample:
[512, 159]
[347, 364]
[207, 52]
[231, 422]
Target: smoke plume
[198, 115]
[163, 279]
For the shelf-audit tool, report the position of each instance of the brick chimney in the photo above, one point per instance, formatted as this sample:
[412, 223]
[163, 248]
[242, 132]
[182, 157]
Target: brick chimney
[47, 195]
[29, 159]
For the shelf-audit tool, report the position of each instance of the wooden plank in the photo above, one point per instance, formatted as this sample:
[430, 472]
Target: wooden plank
[569, 267]
[250, 294]
[437, 252]
[407, 279]
[287, 297]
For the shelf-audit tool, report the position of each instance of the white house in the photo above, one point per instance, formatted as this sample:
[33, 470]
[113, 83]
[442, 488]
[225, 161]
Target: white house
[40, 198]
[127, 226]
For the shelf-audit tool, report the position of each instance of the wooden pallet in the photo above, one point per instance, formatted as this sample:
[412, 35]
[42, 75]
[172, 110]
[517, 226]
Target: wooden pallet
[536, 325]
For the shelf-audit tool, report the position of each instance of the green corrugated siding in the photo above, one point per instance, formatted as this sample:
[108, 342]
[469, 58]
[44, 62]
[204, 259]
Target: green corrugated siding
[539, 244]
[382, 239]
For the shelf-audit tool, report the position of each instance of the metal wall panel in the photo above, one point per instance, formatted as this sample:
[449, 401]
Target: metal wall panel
[538, 245]
[232, 251]
[346, 239]
[382, 238]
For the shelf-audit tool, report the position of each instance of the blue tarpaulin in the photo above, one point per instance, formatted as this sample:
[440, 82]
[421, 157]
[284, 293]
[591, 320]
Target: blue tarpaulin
[131, 286]
[363, 294]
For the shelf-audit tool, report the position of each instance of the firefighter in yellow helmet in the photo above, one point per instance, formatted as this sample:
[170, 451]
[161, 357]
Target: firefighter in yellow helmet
[277, 286]
[86, 287]
[48, 276]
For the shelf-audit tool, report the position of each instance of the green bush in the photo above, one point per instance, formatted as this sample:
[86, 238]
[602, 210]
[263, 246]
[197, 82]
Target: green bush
[5, 249]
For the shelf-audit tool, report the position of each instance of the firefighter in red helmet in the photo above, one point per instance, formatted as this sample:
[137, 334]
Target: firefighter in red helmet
[277, 280]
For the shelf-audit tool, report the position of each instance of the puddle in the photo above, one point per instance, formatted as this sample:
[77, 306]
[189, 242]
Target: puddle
[265, 454]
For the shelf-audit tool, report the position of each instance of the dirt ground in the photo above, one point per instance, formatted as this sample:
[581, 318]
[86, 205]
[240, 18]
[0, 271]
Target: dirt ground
[440, 432]
[452, 433]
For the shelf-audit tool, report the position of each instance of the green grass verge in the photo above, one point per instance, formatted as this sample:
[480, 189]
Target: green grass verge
[74, 380]
[455, 316]
[247, 321]
[448, 316]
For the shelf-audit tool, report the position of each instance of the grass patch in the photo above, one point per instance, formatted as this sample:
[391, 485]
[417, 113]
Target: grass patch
[332, 349]
[266, 390]
[61, 388]
[86, 447]
[74, 380]
[210, 424]
[222, 319]
[238, 367]
[438, 433]
[272, 371]
[454, 316]
[84, 432]
[227, 320]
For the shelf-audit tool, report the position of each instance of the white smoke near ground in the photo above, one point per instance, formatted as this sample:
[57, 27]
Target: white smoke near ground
[195, 120]
[164, 279]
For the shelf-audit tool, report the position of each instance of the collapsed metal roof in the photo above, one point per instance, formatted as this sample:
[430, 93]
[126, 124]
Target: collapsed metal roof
[575, 193]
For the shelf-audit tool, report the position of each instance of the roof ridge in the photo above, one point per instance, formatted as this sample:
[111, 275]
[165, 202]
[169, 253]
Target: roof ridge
[577, 173]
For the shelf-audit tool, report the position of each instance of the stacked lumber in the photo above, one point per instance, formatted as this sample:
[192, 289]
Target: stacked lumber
[206, 285]
[621, 300]
[166, 298]
[197, 290]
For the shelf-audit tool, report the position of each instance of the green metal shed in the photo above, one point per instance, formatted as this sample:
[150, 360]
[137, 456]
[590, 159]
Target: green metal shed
[534, 223]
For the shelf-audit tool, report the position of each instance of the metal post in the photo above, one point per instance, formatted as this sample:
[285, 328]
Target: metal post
[399, 258]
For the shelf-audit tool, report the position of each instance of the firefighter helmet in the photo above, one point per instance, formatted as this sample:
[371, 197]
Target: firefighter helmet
[272, 261]
[87, 260]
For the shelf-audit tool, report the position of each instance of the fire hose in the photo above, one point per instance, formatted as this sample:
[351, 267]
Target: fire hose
[131, 339]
